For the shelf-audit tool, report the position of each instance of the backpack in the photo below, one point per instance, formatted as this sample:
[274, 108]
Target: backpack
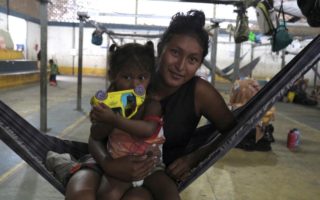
[241, 32]
[281, 38]
[266, 16]
[311, 10]
[96, 37]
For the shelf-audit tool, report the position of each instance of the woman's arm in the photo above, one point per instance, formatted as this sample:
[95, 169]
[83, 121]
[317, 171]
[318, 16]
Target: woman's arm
[210, 104]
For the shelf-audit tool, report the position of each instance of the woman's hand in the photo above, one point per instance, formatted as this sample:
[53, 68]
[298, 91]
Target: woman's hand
[130, 168]
[180, 168]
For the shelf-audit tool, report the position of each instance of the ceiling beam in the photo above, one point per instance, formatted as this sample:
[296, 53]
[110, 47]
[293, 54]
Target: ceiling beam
[226, 2]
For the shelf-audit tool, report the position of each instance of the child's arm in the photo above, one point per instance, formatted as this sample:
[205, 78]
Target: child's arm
[135, 127]
[99, 130]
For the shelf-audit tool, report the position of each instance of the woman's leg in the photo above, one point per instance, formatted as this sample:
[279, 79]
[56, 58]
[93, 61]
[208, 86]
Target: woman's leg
[162, 186]
[137, 193]
[112, 189]
[83, 185]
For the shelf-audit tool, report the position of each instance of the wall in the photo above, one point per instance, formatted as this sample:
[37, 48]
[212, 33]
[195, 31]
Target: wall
[3, 21]
[33, 39]
[26, 11]
[63, 48]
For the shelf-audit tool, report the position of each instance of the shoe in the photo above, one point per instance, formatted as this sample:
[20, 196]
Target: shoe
[248, 143]
[59, 164]
[263, 145]
[268, 133]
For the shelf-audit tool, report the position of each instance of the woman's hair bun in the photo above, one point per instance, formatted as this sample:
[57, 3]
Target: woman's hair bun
[113, 48]
[197, 16]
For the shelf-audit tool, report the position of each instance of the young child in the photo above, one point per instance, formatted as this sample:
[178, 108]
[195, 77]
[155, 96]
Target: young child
[131, 66]
[54, 71]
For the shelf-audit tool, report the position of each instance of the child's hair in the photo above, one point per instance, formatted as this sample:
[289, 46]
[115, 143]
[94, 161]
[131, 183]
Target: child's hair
[131, 55]
[51, 61]
[190, 24]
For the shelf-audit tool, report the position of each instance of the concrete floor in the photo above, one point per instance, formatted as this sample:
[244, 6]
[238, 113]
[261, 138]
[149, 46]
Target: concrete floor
[279, 174]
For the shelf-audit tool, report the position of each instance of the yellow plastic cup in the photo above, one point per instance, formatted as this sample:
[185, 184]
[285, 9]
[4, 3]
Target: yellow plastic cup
[291, 96]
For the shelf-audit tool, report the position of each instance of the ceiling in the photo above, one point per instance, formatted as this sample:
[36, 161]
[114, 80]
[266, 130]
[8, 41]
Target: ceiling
[156, 12]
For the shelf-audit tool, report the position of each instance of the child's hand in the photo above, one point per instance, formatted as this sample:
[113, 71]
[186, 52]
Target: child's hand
[102, 113]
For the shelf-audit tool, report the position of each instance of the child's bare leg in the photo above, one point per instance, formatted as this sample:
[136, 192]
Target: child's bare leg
[83, 185]
[161, 186]
[112, 189]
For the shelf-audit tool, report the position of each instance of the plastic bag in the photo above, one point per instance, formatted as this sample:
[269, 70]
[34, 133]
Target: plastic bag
[281, 38]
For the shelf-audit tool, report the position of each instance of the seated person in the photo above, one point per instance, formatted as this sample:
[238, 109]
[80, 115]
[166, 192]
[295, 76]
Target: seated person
[260, 137]
[315, 94]
[300, 93]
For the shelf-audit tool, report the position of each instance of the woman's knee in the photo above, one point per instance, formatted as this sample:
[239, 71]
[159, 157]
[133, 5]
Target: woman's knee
[162, 186]
[138, 193]
[112, 189]
[83, 185]
[109, 195]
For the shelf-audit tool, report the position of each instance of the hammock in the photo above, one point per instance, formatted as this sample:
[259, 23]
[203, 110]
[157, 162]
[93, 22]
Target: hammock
[32, 145]
[244, 71]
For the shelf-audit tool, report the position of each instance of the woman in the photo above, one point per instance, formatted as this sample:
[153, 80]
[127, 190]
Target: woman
[184, 98]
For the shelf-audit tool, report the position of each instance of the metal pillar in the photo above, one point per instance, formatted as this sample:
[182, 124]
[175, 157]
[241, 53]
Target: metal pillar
[136, 18]
[43, 65]
[251, 56]
[8, 14]
[316, 73]
[107, 62]
[283, 58]
[82, 18]
[73, 47]
[213, 57]
[236, 70]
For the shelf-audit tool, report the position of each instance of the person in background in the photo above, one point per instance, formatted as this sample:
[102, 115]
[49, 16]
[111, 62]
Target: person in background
[315, 94]
[261, 136]
[184, 98]
[301, 95]
[54, 71]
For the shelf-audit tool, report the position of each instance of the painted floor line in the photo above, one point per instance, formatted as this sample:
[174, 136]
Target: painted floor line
[12, 171]
[67, 130]
[297, 122]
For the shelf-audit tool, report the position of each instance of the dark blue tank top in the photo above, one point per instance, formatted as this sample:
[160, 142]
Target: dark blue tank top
[180, 120]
